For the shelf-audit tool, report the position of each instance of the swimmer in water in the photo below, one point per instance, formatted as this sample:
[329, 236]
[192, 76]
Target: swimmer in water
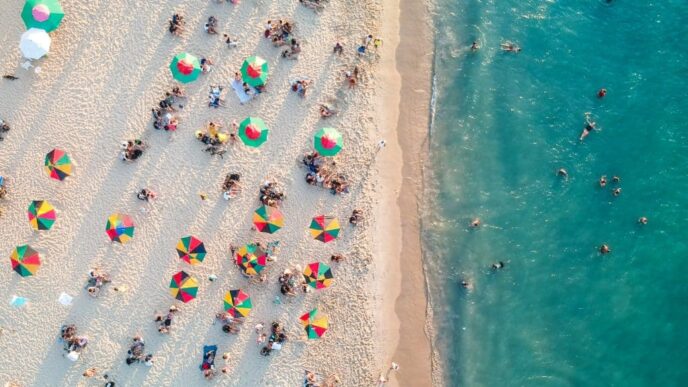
[510, 47]
[642, 220]
[563, 173]
[604, 249]
[616, 191]
[466, 285]
[498, 265]
[601, 93]
[603, 181]
[616, 179]
[589, 127]
[475, 223]
[474, 46]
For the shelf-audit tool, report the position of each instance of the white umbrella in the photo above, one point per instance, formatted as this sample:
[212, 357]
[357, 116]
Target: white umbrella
[34, 43]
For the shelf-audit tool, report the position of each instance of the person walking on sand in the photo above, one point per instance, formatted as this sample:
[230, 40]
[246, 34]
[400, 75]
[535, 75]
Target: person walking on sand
[381, 144]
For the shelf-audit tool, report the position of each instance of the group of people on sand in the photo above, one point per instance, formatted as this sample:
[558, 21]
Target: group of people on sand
[95, 282]
[4, 128]
[322, 172]
[177, 24]
[73, 343]
[290, 281]
[231, 186]
[281, 34]
[230, 324]
[132, 149]
[215, 139]
[164, 115]
[136, 352]
[271, 194]
[164, 321]
[276, 339]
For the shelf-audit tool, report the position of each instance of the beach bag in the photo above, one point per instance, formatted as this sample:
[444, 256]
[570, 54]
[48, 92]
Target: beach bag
[73, 355]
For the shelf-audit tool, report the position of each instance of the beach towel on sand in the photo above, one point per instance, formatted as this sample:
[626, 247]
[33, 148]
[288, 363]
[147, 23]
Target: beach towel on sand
[209, 352]
[239, 90]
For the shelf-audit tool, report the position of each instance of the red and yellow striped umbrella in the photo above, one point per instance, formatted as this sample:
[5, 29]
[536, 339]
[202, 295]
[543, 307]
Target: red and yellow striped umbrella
[325, 228]
[318, 275]
[191, 250]
[251, 259]
[315, 326]
[41, 215]
[183, 287]
[237, 303]
[268, 219]
[58, 165]
[25, 260]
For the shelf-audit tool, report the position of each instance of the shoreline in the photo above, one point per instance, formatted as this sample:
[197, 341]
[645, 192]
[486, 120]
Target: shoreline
[405, 101]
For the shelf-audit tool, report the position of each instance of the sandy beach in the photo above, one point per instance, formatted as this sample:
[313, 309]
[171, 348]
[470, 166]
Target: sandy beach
[107, 67]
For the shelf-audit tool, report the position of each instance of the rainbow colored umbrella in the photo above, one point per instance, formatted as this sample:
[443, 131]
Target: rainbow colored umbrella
[253, 132]
[43, 14]
[328, 141]
[25, 260]
[318, 275]
[268, 219]
[254, 71]
[183, 287]
[185, 67]
[191, 250]
[120, 228]
[325, 228]
[251, 259]
[237, 303]
[315, 326]
[41, 215]
[57, 164]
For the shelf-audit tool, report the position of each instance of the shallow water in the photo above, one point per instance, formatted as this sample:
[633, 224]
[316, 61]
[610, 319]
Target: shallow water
[560, 314]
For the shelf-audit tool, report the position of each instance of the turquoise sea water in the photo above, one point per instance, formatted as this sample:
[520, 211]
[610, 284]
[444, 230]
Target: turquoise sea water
[559, 313]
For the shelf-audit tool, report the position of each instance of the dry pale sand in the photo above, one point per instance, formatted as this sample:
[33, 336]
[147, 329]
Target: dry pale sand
[108, 66]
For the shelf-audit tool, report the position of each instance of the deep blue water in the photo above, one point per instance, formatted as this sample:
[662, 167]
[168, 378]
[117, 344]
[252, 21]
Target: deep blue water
[560, 313]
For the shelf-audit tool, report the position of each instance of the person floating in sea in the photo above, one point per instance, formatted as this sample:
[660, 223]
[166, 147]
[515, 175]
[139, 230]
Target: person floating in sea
[498, 265]
[475, 46]
[601, 93]
[589, 127]
[616, 191]
[603, 181]
[475, 223]
[605, 249]
[563, 173]
[510, 47]
[642, 220]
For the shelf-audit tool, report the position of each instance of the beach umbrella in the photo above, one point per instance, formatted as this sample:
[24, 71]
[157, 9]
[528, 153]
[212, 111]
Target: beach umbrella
[183, 287]
[325, 228]
[34, 43]
[25, 260]
[253, 132]
[328, 141]
[120, 228]
[251, 259]
[318, 275]
[191, 250]
[268, 219]
[254, 71]
[185, 67]
[315, 326]
[42, 14]
[41, 215]
[58, 164]
[237, 303]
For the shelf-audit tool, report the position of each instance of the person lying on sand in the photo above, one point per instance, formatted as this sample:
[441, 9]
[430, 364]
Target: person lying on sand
[210, 26]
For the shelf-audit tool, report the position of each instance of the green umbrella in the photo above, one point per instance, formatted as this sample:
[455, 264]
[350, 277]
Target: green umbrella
[328, 141]
[253, 132]
[185, 67]
[43, 14]
[254, 71]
